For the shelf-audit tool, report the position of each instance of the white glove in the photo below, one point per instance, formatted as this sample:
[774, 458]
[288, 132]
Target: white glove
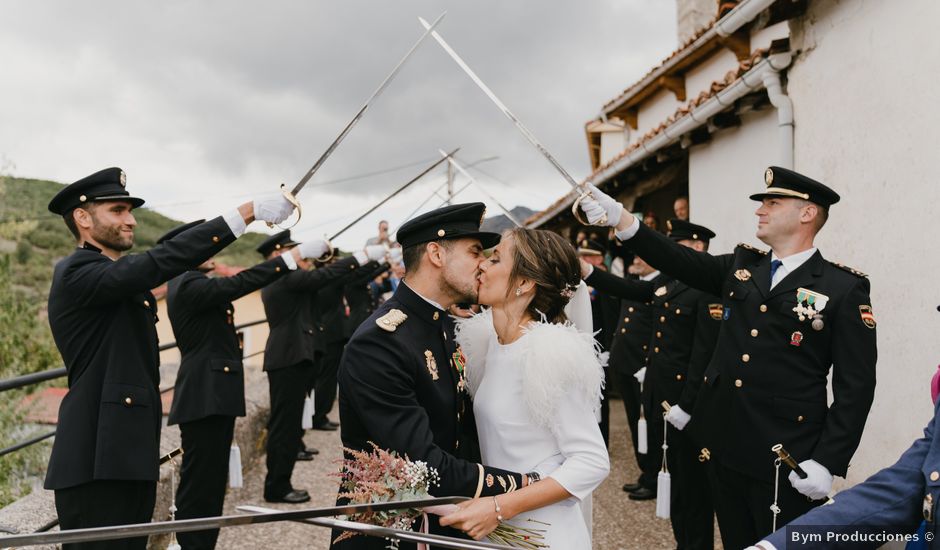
[394, 255]
[678, 417]
[598, 204]
[818, 480]
[640, 375]
[313, 249]
[376, 252]
[274, 210]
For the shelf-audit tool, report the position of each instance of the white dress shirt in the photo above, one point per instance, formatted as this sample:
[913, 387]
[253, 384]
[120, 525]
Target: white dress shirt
[790, 264]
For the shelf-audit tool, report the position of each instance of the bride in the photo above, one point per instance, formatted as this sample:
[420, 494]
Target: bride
[536, 386]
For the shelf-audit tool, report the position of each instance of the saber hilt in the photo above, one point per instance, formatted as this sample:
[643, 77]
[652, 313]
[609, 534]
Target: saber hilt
[171, 455]
[788, 460]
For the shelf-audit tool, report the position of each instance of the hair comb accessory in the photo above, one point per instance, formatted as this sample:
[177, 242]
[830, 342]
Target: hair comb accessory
[569, 291]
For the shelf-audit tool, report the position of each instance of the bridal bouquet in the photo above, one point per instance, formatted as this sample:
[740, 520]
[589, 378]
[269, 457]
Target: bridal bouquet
[384, 476]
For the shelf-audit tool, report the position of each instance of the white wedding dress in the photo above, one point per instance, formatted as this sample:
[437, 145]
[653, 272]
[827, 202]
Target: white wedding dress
[535, 403]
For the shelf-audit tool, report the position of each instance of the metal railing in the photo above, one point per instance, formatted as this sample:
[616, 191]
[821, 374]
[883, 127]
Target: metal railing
[52, 374]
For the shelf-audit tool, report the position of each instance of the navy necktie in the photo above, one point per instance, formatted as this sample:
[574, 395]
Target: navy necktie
[774, 264]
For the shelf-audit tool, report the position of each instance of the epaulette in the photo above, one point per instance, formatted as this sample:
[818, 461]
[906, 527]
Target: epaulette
[746, 246]
[390, 321]
[855, 272]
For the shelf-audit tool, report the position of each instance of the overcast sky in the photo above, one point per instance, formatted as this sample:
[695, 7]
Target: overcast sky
[206, 104]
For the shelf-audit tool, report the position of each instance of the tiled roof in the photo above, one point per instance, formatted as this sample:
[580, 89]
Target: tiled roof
[716, 86]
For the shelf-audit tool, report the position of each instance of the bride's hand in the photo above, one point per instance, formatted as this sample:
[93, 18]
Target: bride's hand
[476, 518]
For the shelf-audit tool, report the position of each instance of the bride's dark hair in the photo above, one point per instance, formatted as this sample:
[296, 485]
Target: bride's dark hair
[552, 264]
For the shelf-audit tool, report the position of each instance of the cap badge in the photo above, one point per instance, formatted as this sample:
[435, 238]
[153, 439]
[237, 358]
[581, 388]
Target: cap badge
[742, 275]
[123, 179]
[432, 364]
[769, 177]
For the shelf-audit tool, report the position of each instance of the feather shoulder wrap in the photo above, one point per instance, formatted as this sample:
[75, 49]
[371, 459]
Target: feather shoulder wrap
[559, 362]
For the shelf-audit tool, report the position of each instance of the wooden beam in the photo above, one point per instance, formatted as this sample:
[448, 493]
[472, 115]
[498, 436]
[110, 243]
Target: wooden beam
[739, 43]
[629, 116]
[675, 83]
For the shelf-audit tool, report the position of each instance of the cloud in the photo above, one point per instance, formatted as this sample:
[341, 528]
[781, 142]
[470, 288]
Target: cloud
[206, 103]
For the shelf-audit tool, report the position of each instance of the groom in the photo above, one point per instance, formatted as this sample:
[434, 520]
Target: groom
[401, 381]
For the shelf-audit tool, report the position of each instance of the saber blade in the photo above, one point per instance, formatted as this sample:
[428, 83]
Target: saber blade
[502, 107]
[438, 541]
[342, 135]
[397, 191]
[199, 524]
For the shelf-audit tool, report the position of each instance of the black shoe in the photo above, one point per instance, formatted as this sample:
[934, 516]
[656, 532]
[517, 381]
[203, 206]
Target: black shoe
[312, 450]
[293, 497]
[631, 487]
[643, 494]
[305, 455]
[326, 426]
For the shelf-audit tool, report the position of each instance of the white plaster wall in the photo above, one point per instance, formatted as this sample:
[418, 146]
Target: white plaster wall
[864, 94]
[724, 172]
[654, 111]
[612, 144]
[700, 78]
[763, 37]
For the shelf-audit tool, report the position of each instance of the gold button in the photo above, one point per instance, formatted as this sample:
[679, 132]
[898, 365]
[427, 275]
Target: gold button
[645, 347]
[763, 308]
[731, 293]
[934, 475]
[745, 358]
[662, 319]
[228, 311]
[659, 334]
[656, 349]
[623, 331]
[277, 247]
[215, 239]
[436, 316]
[277, 268]
[678, 377]
[678, 311]
[128, 401]
[441, 232]
[799, 418]
[630, 309]
[738, 383]
[83, 198]
[146, 303]
[754, 332]
[225, 369]
[666, 305]
[706, 379]
[626, 319]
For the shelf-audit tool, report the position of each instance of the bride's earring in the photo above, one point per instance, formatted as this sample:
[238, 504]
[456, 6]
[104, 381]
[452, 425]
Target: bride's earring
[518, 292]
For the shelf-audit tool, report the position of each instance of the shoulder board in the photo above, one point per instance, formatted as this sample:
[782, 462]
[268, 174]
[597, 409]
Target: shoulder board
[855, 272]
[750, 248]
[390, 321]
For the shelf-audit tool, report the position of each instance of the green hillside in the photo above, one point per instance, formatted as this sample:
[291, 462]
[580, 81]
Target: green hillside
[37, 238]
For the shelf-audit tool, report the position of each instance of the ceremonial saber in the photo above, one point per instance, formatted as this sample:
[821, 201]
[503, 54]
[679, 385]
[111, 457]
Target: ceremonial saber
[460, 169]
[292, 194]
[788, 460]
[521, 127]
[439, 541]
[199, 524]
[397, 191]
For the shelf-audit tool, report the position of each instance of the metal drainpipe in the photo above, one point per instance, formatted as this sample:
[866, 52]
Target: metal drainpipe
[783, 103]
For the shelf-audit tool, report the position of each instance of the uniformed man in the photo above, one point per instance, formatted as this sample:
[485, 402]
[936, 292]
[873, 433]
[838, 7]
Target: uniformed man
[359, 297]
[629, 349]
[685, 329]
[290, 356]
[604, 309]
[210, 385]
[104, 463]
[789, 318]
[401, 378]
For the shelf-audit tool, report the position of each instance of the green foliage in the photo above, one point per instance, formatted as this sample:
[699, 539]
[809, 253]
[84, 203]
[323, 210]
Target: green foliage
[25, 346]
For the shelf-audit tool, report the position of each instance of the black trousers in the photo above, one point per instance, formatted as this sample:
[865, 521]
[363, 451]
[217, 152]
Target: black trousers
[285, 433]
[203, 475]
[106, 502]
[692, 511]
[743, 504]
[629, 389]
[325, 383]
